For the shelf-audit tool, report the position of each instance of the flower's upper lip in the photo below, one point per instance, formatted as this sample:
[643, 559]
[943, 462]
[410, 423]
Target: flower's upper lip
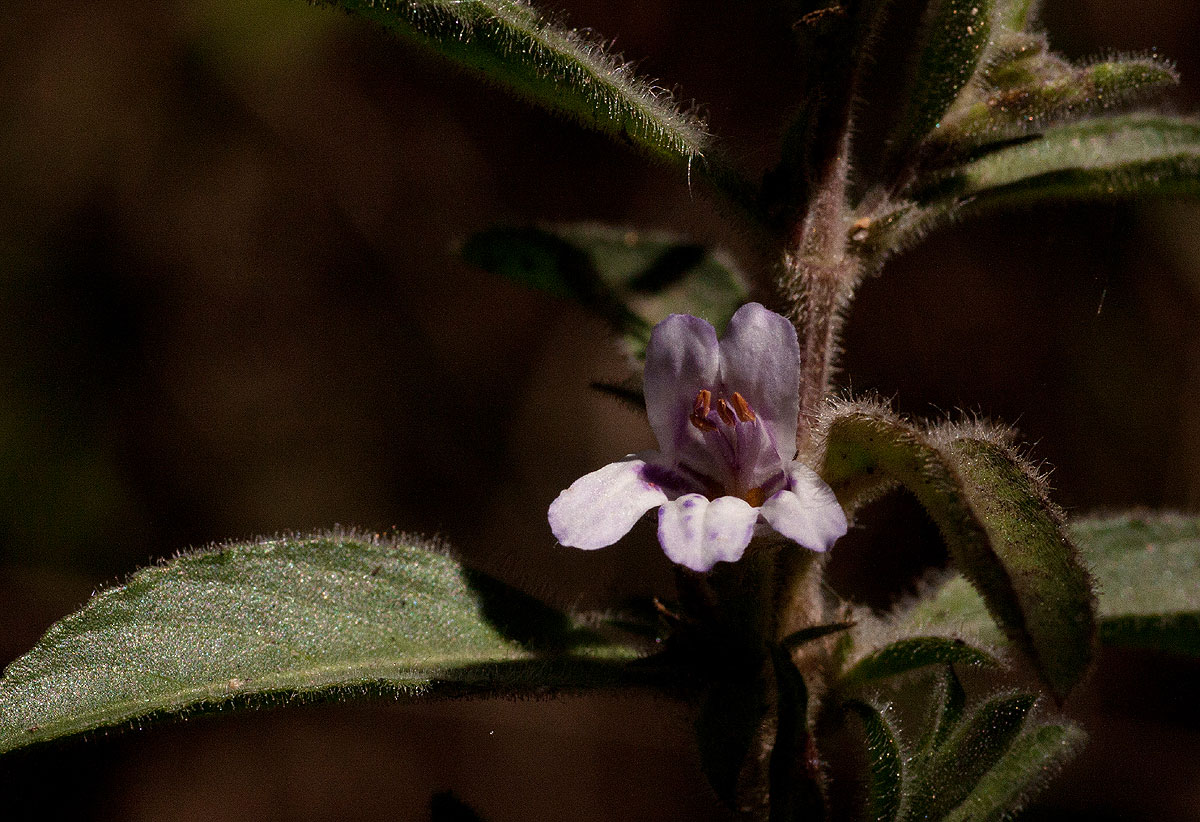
[693, 382]
[759, 358]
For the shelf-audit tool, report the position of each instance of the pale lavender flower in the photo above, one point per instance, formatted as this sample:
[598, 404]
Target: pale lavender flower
[724, 414]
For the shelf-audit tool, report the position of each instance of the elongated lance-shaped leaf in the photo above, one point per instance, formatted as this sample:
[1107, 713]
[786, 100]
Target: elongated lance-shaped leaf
[804, 636]
[910, 654]
[885, 789]
[1021, 773]
[631, 279]
[1102, 159]
[1030, 564]
[949, 700]
[1147, 571]
[323, 617]
[952, 41]
[1000, 529]
[508, 42]
[1036, 88]
[947, 777]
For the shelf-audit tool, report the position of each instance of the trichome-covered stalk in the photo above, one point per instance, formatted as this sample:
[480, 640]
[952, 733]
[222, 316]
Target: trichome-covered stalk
[818, 281]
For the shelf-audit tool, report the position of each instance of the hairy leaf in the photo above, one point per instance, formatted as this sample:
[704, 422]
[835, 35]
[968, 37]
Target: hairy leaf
[508, 42]
[631, 279]
[1147, 570]
[953, 39]
[1000, 529]
[1054, 618]
[1023, 94]
[1028, 765]
[949, 700]
[884, 793]
[733, 731]
[1102, 159]
[1176, 633]
[947, 777]
[319, 617]
[837, 44]
[910, 654]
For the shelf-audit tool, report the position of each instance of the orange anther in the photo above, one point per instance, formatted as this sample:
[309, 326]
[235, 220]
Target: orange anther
[744, 412]
[700, 409]
[725, 412]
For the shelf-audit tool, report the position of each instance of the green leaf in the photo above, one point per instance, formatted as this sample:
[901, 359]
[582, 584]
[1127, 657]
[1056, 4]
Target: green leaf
[1031, 576]
[947, 777]
[1146, 563]
[509, 43]
[631, 279]
[1147, 570]
[952, 41]
[804, 636]
[322, 617]
[884, 792]
[1101, 159]
[909, 654]
[948, 703]
[1023, 94]
[1001, 531]
[1025, 768]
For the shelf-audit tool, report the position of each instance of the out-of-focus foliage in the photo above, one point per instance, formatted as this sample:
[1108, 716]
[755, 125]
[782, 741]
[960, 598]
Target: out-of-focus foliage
[1147, 571]
[631, 279]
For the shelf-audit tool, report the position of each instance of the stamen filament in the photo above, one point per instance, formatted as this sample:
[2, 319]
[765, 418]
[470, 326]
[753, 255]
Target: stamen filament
[724, 411]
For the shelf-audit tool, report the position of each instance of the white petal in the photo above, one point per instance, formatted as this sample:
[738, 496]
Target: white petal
[760, 359]
[698, 533]
[806, 511]
[599, 508]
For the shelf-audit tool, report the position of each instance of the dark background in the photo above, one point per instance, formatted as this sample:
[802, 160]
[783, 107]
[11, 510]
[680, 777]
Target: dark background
[229, 307]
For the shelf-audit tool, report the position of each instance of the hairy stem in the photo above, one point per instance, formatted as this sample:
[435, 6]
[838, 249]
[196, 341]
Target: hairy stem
[818, 280]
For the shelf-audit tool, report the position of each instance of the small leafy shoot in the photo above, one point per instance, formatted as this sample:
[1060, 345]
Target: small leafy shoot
[910, 654]
[886, 764]
[630, 279]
